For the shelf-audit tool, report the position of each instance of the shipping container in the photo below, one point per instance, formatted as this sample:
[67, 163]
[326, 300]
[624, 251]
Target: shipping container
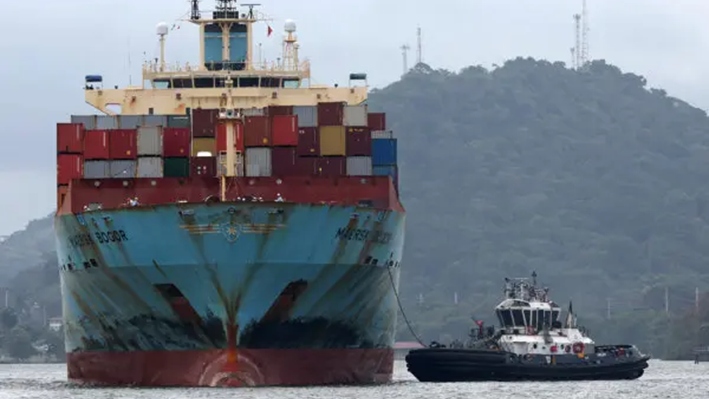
[305, 166]
[238, 136]
[204, 144]
[203, 166]
[308, 142]
[154, 120]
[96, 169]
[332, 141]
[284, 130]
[359, 141]
[383, 152]
[330, 166]
[238, 164]
[149, 167]
[257, 131]
[61, 195]
[122, 169]
[149, 141]
[258, 162]
[69, 166]
[382, 134]
[122, 144]
[176, 167]
[183, 121]
[89, 121]
[130, 121]
[96, 145]
[283, 161]
[204, 122]
[253, 112]
[376, 121]
[331, 113]
[106, 122]
[359, 166]
[355, 115]
[175, 142]
[70, 138]
[307, 115]
[276, 110]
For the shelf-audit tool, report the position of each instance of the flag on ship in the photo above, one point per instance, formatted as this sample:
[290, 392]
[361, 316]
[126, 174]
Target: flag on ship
[269, 31]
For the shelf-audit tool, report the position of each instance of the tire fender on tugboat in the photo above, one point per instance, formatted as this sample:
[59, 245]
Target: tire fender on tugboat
[578, 347]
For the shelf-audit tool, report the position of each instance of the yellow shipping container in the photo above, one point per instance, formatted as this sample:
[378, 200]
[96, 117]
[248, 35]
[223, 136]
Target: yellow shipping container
[332, 140]
[203, 144]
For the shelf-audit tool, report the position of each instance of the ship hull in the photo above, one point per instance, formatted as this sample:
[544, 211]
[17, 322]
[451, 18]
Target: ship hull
[230, 294]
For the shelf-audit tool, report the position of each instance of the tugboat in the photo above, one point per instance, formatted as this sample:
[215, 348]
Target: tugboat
[531, 344]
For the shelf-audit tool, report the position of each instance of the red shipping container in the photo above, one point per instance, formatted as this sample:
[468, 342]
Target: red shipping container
[284, 130]
[305, 166]
[96, 145]
[70, 138]
[283, 161]
[176, 142]
[122, 144]
[330, 166]
[257, 131]
[376, 121]
[275, 110]
[308, 142]
[358, 141]
[69, 166]
[204, 122]
[331, 113]
[203, 166]
[238, 137]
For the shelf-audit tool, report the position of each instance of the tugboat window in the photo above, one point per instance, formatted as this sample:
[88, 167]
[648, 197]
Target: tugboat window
[540, 319]
[554, 315]
[506, 318]
[527, 318]
[518, 318]
[533, 320]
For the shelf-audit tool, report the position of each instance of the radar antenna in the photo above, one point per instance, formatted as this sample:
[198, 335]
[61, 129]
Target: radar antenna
[194, 12]
[251, 14]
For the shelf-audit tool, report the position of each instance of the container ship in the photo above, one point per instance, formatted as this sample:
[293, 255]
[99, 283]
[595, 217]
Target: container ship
[228, 223]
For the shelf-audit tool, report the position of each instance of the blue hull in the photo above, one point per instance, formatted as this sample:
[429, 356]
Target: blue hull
[191, 278]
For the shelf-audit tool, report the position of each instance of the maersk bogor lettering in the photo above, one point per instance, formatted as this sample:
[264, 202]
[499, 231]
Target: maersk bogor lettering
[377, 237]
[102, 237]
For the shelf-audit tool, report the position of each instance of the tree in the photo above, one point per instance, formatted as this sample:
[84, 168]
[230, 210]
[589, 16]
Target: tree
[18, 344]
[8, 318]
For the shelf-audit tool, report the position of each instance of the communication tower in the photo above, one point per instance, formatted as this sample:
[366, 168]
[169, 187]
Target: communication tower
[405, 55]
[584, 35]
[577, 45]
[162, 30]
[419, 53]
[290, 46]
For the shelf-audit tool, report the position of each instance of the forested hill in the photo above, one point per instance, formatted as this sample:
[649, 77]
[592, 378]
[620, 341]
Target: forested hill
[591, 178]
[595, 181]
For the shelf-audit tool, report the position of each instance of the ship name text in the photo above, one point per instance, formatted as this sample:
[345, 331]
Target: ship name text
[377, 237]
[102, 237]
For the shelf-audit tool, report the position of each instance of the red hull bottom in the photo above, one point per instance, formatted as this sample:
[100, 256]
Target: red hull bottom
[223, 368]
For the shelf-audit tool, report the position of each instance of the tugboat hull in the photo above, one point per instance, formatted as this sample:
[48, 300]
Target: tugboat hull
[461, 365]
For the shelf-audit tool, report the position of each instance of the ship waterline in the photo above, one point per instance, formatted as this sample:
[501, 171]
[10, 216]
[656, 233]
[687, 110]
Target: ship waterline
[182, 286]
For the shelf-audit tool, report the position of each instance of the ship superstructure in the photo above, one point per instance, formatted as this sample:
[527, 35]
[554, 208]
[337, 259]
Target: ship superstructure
[231, 224]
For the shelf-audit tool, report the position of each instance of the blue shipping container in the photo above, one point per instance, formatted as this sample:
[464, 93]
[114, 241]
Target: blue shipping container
[384, 152]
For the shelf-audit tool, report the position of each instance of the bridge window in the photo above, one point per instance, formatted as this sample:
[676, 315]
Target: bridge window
[518, 318]
[506, 318]
[554, 315]
[527, 318]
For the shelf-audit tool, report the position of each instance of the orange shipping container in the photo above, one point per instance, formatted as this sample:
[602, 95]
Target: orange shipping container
[284, 130]
[332, 141]
[69, 166]
[257, 131]
[221, 137]
[62, 191]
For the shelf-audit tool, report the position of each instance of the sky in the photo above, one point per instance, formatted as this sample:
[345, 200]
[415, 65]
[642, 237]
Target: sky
[44, 62]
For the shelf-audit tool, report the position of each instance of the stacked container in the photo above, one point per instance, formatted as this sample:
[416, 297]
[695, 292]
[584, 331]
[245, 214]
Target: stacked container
[70, 162]
[332, 139]
[258, 139]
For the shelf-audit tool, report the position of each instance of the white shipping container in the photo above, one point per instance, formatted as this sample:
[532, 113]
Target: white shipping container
[150, 141]
[221, 165]
[130, 121]
[307, 115]
[382, 134]
[253, 112]
[123, 169]
[106, 122]
[355, 115]
[154, 120]
[359, 166]
[150, 167]
[89, 121]
[258, 162]
[96, 169]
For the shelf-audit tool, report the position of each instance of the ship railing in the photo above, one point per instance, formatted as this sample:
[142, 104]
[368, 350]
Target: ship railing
[153, 67]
